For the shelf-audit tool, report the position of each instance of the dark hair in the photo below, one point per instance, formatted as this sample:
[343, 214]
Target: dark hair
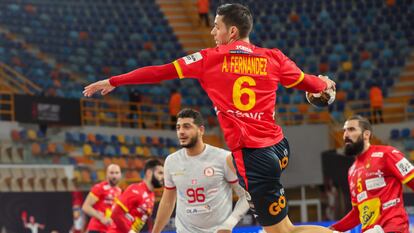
[191, 113]
[362, 122]
[151, 164]
[237, 15]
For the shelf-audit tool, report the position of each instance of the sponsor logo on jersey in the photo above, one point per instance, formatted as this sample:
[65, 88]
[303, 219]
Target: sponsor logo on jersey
[209, 171]
[244, 48]
[276, 207]
[390, 203]
[237, 51]
[198, 209]
[369, 212]
[178, 173]
[378, 173]
[404, 166]
[192, 58]
[377, 154]
[362, 196]
[375, 183]
[395, 151]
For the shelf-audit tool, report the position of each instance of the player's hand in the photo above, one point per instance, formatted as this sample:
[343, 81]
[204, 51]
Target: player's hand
[132, 231]
[223, 231]
[329, 83]
[105, 221]
[103, 86]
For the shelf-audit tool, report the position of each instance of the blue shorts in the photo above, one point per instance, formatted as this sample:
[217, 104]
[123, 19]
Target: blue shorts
[259, 171]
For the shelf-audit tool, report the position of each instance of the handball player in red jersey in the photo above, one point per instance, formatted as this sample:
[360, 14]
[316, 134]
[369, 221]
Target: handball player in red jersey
[132, 209]
[241, 80]
[99, 201]
[376, 180]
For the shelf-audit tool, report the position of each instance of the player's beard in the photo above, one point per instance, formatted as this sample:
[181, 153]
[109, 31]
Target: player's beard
[192, 143]
[354, 148]
[155, 182]
[113, 181]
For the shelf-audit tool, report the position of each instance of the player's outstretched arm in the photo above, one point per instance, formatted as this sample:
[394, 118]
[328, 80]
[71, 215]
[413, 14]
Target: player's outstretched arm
[165, 209]
[102, 86]
[348, 222]
[145, 75]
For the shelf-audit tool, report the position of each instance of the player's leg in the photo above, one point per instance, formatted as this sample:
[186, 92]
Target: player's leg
[259, 173]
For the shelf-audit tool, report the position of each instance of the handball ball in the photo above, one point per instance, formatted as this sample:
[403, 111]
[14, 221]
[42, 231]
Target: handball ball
[322, 99]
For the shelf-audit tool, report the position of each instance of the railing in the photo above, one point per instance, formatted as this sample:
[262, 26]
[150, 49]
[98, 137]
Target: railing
[16, 82]
[395, 112]
[124, 114]
[6, 106]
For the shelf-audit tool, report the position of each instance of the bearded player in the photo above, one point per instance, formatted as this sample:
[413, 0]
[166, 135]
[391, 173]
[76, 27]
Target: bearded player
[199, 179]
[375, 181]
[241, 80]
[132, 209]
[99, 201]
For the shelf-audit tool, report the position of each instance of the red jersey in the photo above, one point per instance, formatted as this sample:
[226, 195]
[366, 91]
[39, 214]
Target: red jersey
[241, 81]
[375, 181]
[132, 209]
[105, 194]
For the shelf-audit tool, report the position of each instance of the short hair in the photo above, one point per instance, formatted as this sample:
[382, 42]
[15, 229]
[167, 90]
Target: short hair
[151, 164]
[362, 122]
[237, 15]
[191, 113]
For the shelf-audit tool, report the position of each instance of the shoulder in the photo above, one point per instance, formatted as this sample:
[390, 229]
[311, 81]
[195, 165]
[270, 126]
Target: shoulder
[174, 157]
[217, 151]
[384, 149]
[99, 185]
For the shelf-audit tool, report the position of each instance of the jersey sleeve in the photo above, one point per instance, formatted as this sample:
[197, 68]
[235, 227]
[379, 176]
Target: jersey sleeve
[289, 73]
[191, 66]
[399, 166]
[168, 181]
[97, 191]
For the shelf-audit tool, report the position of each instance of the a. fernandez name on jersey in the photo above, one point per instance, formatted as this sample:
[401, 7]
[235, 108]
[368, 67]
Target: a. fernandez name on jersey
[248, 65]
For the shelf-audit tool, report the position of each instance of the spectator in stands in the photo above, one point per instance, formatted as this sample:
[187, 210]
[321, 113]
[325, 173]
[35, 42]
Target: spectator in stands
[203, 9]
[376, 181]
[134, 207]
[376, 102]
[99, 201]
[175, 106]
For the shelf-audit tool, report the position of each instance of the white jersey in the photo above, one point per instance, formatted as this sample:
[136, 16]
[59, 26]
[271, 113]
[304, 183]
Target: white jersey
[203, 184]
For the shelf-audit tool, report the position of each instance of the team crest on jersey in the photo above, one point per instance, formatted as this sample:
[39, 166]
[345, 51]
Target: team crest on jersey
[209, 171]
[192, 58]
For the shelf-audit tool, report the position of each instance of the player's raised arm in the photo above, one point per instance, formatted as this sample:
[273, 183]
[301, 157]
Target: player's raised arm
[165, 209]
[145, 75]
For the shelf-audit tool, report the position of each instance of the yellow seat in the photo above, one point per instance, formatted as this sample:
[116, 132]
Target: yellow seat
[121, 139]
[124, 150]
[87, 150]
[31, 135]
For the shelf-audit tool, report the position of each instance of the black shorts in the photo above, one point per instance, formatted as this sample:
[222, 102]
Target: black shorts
[259, 171]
